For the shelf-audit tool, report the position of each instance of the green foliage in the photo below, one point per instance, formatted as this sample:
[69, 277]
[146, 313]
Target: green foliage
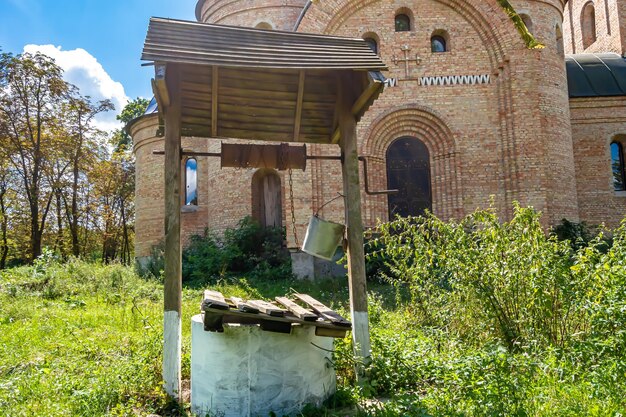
[248, 249]
[134, 109]
[580, 235]
[94, 340]
[482, 278]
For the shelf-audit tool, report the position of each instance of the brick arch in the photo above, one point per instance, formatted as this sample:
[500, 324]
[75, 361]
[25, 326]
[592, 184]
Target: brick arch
[497, 34]
[425, 125]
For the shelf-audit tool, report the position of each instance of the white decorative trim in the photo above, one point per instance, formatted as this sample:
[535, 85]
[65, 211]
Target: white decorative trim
[455, 80]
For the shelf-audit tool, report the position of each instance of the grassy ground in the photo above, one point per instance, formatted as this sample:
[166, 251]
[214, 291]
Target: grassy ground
[85, 340]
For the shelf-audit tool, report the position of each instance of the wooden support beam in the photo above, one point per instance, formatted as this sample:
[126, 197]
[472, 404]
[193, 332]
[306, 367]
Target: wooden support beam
[214, 99]
[299, 101]
[374, 89]
[159, 86]
[173, 271]
[354, 222]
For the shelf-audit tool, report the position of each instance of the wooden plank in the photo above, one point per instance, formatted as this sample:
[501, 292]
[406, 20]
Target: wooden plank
[267, 308]
[297, 310]
[214, 100]
[336, 333]
[243, 306]
[236, 316]
[299, 100]
[214, 299]
[252, 126]
[322, 310]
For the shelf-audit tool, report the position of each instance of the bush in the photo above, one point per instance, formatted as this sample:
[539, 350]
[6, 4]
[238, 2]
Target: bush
[247, 249]
[580, 235]
[481, 278]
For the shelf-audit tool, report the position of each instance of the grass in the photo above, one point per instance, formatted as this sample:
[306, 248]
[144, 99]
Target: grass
[85, 340]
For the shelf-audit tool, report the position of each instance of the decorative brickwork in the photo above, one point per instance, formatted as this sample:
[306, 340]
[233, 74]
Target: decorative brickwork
[610, 26]
[494, 115]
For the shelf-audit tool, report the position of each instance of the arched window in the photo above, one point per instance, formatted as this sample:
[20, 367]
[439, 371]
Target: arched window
[527, 21]
[408, 170]
[560, 47]
[438, 44]
[617, 166]
[588, 25]
[264, 25]
[267, 198]
[371, 42]
[191, 182]
[403, 23]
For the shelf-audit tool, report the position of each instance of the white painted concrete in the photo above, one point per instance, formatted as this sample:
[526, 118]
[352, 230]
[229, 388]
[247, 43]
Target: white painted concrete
[247, 372]
[171, 353]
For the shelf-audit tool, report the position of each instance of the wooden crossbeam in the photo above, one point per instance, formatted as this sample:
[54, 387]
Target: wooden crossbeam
[214, 99]
[299, 101]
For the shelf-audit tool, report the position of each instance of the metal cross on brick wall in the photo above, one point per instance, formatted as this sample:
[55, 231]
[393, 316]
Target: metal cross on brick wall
[406, 49]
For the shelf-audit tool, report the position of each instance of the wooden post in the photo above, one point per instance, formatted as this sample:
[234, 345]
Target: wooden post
[173, 269]
[354, 222]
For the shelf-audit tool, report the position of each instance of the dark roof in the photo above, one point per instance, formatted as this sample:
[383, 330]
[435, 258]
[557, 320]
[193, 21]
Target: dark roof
[596, 75]
[229, 46]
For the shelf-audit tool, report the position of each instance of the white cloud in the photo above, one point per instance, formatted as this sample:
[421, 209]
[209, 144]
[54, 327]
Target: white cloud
[85, 72]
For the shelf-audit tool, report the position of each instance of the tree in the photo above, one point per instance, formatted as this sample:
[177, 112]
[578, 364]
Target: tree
[32, 91]
[80, 113]
[134, 109]
[5, 192]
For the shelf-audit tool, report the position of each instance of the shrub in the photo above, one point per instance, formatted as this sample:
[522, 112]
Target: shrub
[580, 235]
[482, 278]
[247, 249]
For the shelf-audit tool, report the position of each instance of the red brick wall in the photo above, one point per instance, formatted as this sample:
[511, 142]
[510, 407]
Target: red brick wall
[280, 14]
[510, 139]
[610, 26]
[595, 124]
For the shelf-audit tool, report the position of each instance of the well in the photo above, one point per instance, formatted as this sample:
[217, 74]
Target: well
[246, 371]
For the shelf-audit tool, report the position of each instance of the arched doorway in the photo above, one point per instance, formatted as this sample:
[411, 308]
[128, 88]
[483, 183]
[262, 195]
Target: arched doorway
[267, 198]
[408, 170]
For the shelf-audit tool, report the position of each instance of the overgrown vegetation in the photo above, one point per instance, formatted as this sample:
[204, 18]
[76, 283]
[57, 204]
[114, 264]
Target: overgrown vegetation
[482, 318]
[246, 250]
[502, 319]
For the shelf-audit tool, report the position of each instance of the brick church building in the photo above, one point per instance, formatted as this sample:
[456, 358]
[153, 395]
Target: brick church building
[469, 113]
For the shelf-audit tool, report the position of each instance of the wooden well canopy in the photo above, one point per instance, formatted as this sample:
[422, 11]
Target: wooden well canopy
[237, 82]
[232, 82]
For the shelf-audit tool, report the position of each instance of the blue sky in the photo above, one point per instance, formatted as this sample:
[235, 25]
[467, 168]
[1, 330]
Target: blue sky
[111, 33]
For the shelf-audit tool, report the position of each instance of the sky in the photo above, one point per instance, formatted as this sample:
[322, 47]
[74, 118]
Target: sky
[97, 42]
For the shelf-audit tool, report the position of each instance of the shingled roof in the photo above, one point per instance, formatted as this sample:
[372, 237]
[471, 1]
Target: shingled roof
[236, 82]
[231, 46]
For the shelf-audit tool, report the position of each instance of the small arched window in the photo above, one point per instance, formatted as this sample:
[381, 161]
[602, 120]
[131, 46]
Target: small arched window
[588, 25]
[560, 47]
[264, 25]
[617, 166]
[403, 23]
[191, 182]
[371, 42]
[438, 44]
